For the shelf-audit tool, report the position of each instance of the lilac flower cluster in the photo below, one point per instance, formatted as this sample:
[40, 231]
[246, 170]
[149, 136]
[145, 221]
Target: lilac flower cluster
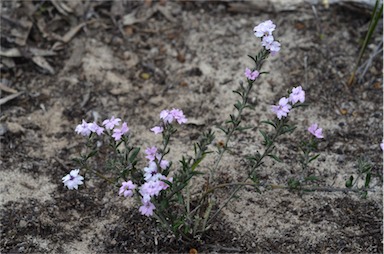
[251, 75]
[73, 179]
[285, 104]
[154, 183]
[86, 129]
[316, 131]
[264, 31]
[168, 116]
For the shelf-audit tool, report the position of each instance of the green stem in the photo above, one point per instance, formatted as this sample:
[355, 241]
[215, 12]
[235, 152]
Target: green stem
[103, 177]
[257, 164]
[231, 131]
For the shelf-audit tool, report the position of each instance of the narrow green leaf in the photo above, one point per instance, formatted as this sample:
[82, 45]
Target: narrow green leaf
[196, 163]
[293, 183]
[367, 180]
[243, 128]
[180, 198]
[270, 123]
[311, 178]
[275, 157]
[238, 105]
[223, 130]
[297, 105]
[167, 182]
[134, 154]
[238, 92]
[265, 136]
[91, 154]
[314, 158]
[364, 194]
[254, 59]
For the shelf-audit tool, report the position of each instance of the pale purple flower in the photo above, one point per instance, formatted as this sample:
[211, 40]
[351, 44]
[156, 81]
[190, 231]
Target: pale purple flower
[169, 115]
[282, 109]
[157, 129]
[146, 198]
[264, 29]
[117, 133]
[96, 128]
[111, 123]
[147, 208]
[314, 130]
[164, 185]
[150, 171]
[296, 95]
[151, 153]
[166, 116]
[155, 178]
[382, 145]
[151, 188]
[178, 115]
[270, 44]
[73, 179]
[267, 41]
[164, 164]
[83, 128]
[127, 188]
[274, 47]
[251, 75]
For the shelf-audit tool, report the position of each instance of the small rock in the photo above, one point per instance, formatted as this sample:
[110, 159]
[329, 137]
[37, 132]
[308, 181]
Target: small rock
[3, 129]
[22, 223]
[205, 68]
[15, 128]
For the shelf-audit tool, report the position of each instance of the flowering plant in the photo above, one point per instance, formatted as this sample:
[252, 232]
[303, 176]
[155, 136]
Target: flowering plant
[164, 190]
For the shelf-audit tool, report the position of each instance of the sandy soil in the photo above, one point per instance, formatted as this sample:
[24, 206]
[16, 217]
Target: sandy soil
[195, 54]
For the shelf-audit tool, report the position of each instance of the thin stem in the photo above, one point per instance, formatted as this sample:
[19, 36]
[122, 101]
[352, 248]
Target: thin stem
[257, 164]
[232, 130]
[103, 177]
[323, 189]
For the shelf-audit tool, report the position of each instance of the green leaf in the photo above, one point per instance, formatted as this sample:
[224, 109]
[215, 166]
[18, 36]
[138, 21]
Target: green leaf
[164, 204]
[238, 92]
[254, 59]
[314, 158]
[195, 172]
[265, 136]
[223, 129]
[364, 194]
[349, 182]
[367, 180]
[243, 128]
[91, 154]
[297, 105]
[134, 154]
[270, 123]
[238, 105]
[288, 129]
[293, 183]
[167, 182]
[311, 178]
[180, 198]
[275, 157]
[196, 163]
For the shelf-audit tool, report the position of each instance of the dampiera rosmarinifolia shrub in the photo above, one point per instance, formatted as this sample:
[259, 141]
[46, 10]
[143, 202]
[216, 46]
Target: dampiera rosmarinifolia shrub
[161, 186]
